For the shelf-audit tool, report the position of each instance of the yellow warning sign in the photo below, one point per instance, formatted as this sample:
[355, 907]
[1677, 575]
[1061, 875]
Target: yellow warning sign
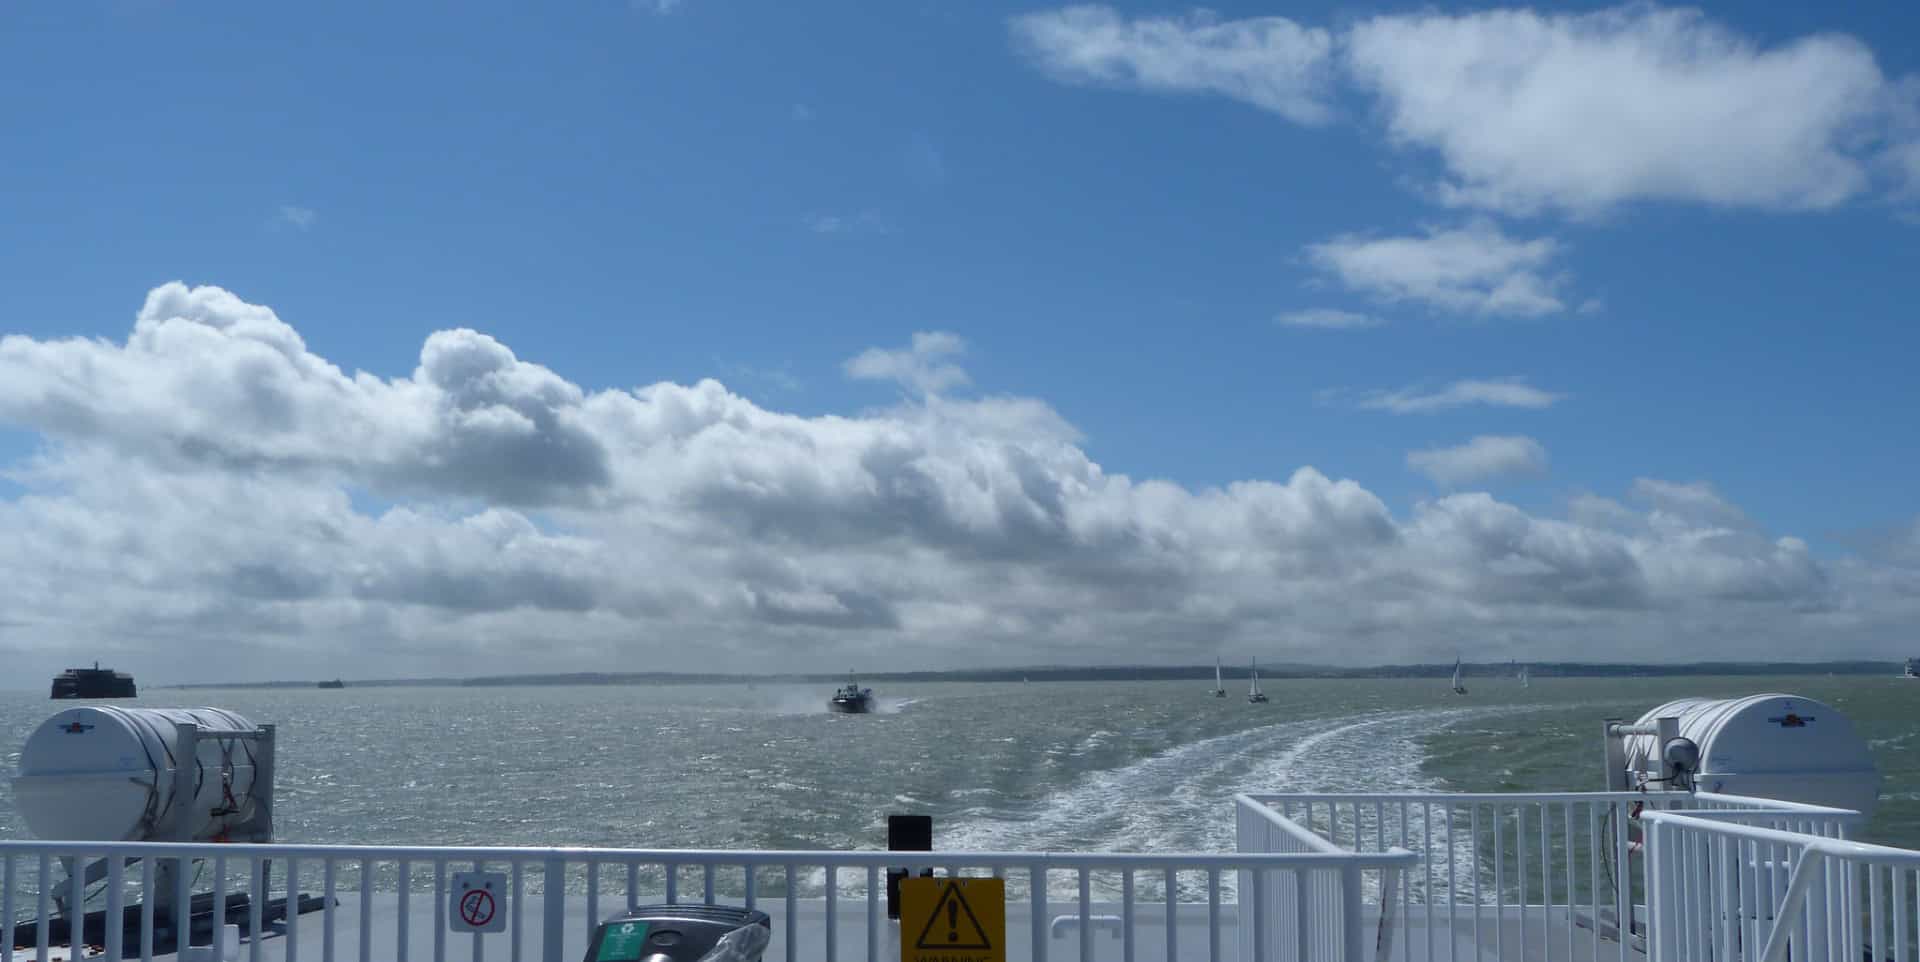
[953, 920]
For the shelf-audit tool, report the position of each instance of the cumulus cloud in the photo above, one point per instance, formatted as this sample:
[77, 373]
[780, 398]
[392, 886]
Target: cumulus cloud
[299, 218]
[1583, 111]
[1527, 111]
[1474, 269]
[208, 379]
[1485, 456]
[1270, 62]
[1509, 392]
[210, 486]
[1328, 319]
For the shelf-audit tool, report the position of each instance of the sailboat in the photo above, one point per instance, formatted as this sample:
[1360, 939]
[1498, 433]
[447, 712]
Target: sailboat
[1219, 687]
[1254, 695]
[1458, 688]
[1525, 678]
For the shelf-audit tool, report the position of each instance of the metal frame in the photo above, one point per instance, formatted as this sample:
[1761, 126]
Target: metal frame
[1720, 889]
[1521, 872]
[545, 912]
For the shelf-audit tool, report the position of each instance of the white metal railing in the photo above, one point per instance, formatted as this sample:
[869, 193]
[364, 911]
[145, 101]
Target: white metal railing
[1310, 916]
[1820, 820]
[1724, 890]
[363, 897]
[1536, 875]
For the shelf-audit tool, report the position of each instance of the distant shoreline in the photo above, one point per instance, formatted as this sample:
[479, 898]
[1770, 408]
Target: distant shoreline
[1118, 673]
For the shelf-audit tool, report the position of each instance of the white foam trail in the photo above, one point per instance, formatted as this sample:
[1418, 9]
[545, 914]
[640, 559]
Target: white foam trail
[1182, 798]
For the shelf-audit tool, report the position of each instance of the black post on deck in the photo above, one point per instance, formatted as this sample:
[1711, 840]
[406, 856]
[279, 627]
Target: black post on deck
[906, 833]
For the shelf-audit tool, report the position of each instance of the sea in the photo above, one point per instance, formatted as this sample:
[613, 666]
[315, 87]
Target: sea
[1133, 766]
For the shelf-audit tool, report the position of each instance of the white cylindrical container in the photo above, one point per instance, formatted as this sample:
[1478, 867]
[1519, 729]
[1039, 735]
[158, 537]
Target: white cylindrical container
[1770, 746]
[99, 773]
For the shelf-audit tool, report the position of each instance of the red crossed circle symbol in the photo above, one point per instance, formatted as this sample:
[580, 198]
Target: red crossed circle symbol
[476, 907]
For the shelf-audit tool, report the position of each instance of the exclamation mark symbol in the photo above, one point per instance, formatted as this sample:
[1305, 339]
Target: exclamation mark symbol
[953, 921]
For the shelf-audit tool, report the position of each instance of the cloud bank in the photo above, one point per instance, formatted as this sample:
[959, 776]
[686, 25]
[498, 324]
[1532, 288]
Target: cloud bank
[210, 493]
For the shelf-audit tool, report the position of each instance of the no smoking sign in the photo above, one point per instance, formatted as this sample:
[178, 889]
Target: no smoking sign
[479, 902]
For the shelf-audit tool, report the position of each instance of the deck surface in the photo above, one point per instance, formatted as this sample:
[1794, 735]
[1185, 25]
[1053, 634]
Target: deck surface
[1540, 940]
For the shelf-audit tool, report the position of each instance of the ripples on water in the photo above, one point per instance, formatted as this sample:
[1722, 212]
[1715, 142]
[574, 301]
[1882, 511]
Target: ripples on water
[1143, 766]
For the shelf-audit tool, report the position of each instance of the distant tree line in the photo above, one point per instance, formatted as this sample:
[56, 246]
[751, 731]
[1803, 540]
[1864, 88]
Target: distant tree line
[1538, 669]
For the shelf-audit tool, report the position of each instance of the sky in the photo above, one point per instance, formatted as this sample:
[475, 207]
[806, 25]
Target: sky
[454, 339]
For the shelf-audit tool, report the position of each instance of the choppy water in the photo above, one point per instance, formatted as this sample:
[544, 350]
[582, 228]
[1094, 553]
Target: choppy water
[1137, 766]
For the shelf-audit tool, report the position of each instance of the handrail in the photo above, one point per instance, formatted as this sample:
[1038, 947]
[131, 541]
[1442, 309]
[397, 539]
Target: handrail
[1838, 848]
[857, 859]
[1466, 798]
[1776, 804]
[1299, 833]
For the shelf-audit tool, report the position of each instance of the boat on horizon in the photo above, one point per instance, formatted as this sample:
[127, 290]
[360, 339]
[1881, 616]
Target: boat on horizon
[1913, 668]
[1219, 687]
[1254, 695]
[1458, 688]
[1645, 816]
[851, 699]
[336, 683]
[95, 682]
[1526, 680]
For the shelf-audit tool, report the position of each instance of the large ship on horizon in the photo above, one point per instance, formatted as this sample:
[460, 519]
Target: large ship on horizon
[95, 682]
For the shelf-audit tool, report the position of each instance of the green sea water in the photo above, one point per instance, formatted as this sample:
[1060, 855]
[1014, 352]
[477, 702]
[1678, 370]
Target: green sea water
[1115, 766]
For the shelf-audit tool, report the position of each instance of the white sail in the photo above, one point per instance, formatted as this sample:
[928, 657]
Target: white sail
[1218, 685]
[1525, 678]
[1253, 688]
[1456, 676]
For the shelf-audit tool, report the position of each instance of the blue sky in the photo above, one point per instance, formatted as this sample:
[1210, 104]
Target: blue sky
[636, 193]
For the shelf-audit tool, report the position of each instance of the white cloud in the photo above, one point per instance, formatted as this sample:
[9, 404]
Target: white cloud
[1474, 269]
[1509, 392]
[1525, 111]
[919, 367]
[1580, 112]
[1485, 456]
[863, 222]
[801, 113]
[1270, 62]
[1328, 319]
[299, 218]
[210, 486]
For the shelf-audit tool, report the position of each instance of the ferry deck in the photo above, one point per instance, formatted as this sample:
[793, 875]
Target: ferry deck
[1700, 875]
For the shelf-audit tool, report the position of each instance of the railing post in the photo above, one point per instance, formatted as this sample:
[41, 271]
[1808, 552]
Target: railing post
[1350, 911]
[1389, 890]
[1666, 902]
[553, 928]
[1037, 905]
